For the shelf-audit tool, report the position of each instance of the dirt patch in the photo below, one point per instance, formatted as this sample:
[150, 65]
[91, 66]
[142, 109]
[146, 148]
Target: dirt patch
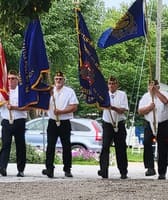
[88, 189]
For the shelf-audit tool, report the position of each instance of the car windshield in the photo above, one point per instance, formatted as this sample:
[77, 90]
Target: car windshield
[38, 125]
[78, 127]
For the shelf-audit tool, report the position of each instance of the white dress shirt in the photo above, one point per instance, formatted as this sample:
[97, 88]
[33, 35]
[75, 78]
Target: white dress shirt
[13, 100]
[161, 109]
[117, 99]
[66, 96]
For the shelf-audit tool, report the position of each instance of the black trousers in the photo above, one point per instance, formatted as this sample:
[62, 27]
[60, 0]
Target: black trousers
[119, 139]
[17, 129]
[64, 132]
[148, 153]
[162, 140]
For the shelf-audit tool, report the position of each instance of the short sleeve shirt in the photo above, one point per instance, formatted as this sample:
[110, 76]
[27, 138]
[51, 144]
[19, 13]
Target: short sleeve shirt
[118, 99]
[13, 100]
[160, 108]
[66, 96]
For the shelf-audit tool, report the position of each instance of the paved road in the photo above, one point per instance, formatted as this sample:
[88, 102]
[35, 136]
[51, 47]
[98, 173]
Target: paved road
[33, 172]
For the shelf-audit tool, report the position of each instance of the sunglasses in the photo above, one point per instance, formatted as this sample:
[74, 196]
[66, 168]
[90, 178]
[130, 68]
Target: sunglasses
[12, 78]
[58, 79]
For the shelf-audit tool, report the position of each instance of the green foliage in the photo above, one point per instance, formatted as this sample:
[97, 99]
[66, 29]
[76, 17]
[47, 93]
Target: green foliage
[81, 161]
[14, 13]
[57, 18]
[32, 155]
[35, 156]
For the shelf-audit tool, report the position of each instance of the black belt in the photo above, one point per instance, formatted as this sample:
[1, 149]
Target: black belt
[15, 120]
[66, 120]
[12, 122]
[166, 121]
[120, 122]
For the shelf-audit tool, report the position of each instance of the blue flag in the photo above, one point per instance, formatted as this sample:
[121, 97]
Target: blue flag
[91, 79]
[130, 26]
[33, 87]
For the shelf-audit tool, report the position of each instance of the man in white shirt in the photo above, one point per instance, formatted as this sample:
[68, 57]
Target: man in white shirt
[63, 103]
[13, 124]
[154, 106]
[114, 130]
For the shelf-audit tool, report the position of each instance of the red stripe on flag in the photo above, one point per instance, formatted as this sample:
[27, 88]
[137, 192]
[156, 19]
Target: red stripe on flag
[3, 74]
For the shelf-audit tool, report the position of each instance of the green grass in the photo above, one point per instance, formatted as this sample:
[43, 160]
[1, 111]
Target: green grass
[94, 160]
[134, 157]
[85, 158]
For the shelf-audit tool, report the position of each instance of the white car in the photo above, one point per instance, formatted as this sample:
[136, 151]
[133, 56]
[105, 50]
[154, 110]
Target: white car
[85, 134]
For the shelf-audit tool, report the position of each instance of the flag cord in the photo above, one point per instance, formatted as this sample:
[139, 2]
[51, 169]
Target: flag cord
[141, 72]
[151, 78]
[57, 120]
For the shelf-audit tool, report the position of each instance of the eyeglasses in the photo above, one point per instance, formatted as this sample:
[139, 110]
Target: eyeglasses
[58, 79]
[12, 78]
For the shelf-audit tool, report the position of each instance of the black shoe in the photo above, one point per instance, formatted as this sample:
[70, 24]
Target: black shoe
[48, 172]
[44, 171]
[68, 174]
[150, 172]
[162, 177]
[3, 172]
[123, 176]
[102, 174]
[20, 174]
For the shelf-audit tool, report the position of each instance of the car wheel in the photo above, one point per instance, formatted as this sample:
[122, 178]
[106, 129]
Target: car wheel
[78, 149]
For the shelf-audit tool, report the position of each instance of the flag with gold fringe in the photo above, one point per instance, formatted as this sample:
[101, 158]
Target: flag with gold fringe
[90, 76]
[33, 88]
[130, 26]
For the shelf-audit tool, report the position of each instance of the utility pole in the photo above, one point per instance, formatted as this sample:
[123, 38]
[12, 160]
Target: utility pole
[158, 40]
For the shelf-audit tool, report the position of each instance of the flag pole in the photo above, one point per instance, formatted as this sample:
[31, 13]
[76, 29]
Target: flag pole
[56, 116]
[150, 70]
[114, 124]
[43, 118]
[57, 120]
[77, 3]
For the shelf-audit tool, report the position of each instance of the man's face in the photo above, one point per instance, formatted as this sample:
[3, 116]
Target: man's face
[59, 81]
[12, 81]
[152, 84]
[112, 85]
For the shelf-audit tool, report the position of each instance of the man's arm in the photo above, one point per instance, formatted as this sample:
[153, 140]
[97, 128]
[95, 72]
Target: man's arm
[69, 109]
[147, 109]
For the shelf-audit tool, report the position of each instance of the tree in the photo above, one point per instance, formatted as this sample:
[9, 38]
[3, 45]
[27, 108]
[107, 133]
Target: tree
[16, 12]
[57, 18]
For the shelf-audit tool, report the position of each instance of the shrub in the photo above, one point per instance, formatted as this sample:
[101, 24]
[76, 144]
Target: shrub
[32, 155]
[84, 157]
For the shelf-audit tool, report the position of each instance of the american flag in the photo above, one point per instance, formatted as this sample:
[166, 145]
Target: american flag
[3, 74]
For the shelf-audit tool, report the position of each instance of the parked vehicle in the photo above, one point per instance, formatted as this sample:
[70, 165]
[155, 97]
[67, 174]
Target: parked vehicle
[85, 134]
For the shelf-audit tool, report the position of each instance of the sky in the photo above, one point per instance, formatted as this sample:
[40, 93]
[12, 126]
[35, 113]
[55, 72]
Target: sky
[116, 3]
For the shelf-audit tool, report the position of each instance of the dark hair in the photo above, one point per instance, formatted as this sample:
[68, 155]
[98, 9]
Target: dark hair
[156, 82]
[112, 78]
[13, 72]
